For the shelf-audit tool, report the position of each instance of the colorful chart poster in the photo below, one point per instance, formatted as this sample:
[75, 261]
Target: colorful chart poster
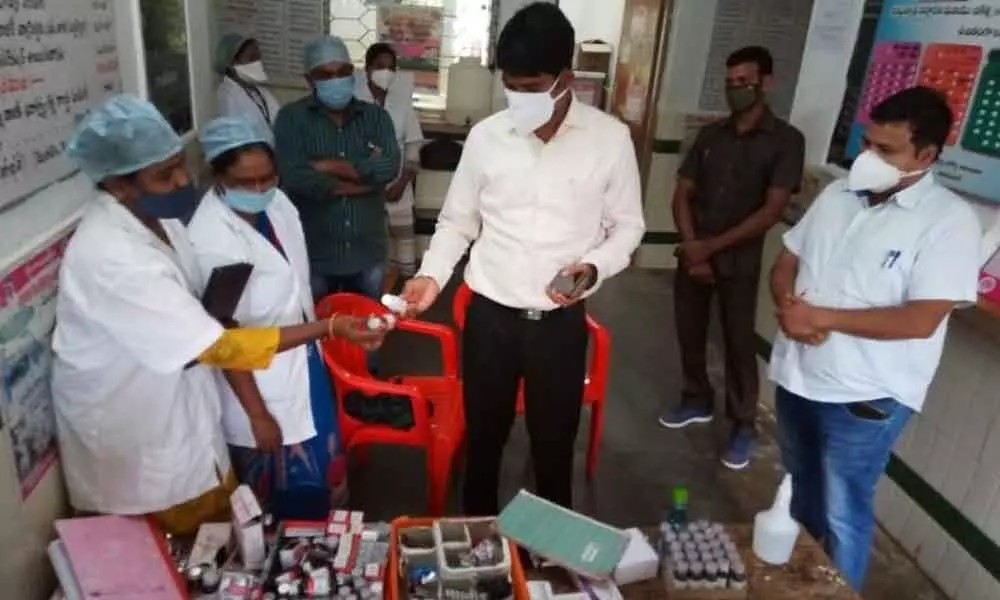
[415, 33]
[27, 318]
[954, 47]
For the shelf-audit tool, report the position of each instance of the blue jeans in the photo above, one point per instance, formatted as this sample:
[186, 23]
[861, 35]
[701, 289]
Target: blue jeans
[369, 282]
[835, 458]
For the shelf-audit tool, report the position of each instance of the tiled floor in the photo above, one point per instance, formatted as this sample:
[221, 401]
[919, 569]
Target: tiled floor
[639, 462]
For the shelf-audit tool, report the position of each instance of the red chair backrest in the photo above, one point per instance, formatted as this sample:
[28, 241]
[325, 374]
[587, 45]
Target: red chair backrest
[348, 356]
[599, 351]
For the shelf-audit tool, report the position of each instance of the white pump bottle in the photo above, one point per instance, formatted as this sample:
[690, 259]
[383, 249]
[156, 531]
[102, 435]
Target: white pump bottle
[774, 530]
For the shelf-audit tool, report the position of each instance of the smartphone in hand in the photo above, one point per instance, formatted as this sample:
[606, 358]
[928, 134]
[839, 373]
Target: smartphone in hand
[568, 285]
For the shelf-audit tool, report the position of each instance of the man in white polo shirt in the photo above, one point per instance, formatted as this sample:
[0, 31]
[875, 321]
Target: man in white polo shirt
[864, 288]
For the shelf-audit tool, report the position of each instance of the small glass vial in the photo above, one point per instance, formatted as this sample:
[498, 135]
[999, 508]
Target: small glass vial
[720, 554]
[711, 575]
[698, 537]
[738, 577]
[681, 573]
[684, 536]
[706, 557]
[675, 546]
[690, 547]
[724, 568]
[697, 579]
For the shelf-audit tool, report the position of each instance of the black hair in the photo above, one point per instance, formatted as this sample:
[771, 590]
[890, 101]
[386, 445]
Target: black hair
[926, 112]
[223, 162]
[758, 55]
[537, 40]
[378, 49]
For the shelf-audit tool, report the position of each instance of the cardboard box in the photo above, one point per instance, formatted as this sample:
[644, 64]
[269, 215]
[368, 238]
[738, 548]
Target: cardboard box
[248, 527]
[594, 55]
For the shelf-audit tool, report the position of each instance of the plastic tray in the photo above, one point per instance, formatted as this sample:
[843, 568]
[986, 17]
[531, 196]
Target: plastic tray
[453, 536]
[394, 577]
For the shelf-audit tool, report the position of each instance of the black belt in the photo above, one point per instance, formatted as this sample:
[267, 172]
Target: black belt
[528, 314]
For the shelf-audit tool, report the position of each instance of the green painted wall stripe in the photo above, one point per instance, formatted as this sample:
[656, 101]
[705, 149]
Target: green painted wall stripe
[965, 533]
[666, 146]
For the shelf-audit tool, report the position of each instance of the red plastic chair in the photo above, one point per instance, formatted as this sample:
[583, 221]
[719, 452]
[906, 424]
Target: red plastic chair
[594, 386]
[436, 401]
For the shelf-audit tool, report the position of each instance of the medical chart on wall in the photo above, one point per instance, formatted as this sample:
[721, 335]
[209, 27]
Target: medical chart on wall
[58, 59]
[953, 47]
[27, 318]
[778, 25]
[281, 28]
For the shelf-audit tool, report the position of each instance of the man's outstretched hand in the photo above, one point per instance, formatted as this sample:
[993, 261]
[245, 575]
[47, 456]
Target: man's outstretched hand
[420, 293]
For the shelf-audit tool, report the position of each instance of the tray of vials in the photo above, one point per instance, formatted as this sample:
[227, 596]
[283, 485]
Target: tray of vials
[700, 561]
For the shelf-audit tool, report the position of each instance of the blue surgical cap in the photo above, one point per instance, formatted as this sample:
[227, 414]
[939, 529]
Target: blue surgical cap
[228, 133]
[225, 53]
[325, 49]
[123, 135]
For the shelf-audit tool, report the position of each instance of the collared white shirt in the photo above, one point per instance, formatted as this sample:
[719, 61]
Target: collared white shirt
[923, 244]
[234, 101]
[138, 432]
[531, 209]
[277, 295]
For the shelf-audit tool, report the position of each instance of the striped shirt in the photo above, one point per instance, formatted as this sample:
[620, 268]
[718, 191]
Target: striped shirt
[345, 234]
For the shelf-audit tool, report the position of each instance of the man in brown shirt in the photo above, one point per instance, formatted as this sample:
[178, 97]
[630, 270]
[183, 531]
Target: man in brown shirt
[732, 187]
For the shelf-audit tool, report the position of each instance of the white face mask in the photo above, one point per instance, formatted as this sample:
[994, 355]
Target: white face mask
[253, 72]
[383, 78]
[870, 173]
[531, 110]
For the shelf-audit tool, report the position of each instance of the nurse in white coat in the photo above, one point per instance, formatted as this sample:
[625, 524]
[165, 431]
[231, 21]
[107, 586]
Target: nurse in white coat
[246, 218]
[137, 405]
[380, 85]
[241, 92]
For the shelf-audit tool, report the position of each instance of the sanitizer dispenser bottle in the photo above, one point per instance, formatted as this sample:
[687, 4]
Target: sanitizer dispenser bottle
[774, 530]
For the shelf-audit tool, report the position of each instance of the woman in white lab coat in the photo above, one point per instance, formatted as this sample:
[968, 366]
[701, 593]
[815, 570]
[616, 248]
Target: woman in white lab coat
[246, 218]
[381, 86]
[133, 385]
[241, 93]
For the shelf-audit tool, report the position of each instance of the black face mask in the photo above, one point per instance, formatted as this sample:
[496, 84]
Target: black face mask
[178, 204]
[742, 97]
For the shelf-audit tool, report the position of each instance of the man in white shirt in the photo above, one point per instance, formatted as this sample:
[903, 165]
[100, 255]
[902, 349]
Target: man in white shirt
[864, 288]
[547, 187]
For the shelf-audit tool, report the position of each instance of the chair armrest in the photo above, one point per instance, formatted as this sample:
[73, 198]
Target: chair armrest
[601, 357]
[445, 336]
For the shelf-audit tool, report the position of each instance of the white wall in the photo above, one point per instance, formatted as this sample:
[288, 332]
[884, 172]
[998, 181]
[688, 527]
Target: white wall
[26, 527]
[595, 19]
[823, 74]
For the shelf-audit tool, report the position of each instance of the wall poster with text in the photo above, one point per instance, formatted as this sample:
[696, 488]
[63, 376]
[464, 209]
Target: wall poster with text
[27, 318]
[953, 47]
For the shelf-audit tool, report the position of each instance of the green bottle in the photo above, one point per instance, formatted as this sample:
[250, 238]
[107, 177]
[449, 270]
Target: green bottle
[678, 516]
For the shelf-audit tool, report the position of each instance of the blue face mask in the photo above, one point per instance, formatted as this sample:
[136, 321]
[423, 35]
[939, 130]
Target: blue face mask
[335, 93]
[248, 201]
[178, 204]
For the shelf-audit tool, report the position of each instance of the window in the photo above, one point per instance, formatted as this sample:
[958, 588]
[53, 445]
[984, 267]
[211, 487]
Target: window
[464, 31]
[168, 76]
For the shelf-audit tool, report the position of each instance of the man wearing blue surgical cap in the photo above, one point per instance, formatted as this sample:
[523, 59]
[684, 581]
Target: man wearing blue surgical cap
[336, 154]
[136, 402]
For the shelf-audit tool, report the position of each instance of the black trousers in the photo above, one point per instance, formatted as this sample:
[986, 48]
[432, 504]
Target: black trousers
[499, 348]
[738, 310]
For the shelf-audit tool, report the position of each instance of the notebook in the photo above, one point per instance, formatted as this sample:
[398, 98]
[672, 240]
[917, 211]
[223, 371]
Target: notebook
[118, 558]
[576, 542]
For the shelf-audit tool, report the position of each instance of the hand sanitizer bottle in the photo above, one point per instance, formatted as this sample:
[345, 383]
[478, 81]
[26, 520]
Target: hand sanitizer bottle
[774, 530]
[678, 516]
